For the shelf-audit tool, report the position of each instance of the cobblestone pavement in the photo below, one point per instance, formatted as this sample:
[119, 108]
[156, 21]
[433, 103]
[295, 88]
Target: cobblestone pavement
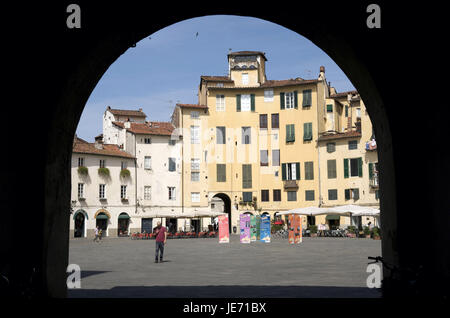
[318, 267]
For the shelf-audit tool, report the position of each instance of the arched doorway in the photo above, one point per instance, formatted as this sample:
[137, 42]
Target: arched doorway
[102, 218]
[79, 219]
[123, 224]
[227, 206]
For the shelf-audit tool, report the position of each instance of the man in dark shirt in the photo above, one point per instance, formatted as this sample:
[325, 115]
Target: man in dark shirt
[161, 237]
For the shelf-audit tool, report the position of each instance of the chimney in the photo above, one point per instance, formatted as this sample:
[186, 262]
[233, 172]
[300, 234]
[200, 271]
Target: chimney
[99, 142]
[127, 124]
[322, 73]
[140, 109]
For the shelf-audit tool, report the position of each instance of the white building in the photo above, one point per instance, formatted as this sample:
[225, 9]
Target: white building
[103, 189]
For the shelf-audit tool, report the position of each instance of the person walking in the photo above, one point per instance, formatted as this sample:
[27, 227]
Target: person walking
[96, 234]
[161, 238]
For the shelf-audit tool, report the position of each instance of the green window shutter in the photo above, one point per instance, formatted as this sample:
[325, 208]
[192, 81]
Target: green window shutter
[290, 133]
[297, 171]
[238, 102]
[346, 111]
[356, 194]
[309, 170]
[306, 98]
[347, 194]
[293, 132]
[246, 176]
[283, 171]
[252, 100]
[295, 99]
[281, 100]
[310, 131]
[345, 168]
[307, 131]
[221, 173]
[360, 164]
[329, 108]
[370, 170]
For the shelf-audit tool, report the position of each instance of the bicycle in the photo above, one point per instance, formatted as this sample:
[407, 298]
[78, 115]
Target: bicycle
[407, 279]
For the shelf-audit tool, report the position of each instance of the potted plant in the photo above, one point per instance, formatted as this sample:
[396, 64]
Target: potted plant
[366, 231]
[376, 233]
[82, 170]
[313, 230]
[124, 173]
[103, 172]
[351, 231]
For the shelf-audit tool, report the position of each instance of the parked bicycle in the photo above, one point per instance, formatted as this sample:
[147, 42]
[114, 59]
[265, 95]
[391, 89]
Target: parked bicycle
[283, 234]
[408, 279]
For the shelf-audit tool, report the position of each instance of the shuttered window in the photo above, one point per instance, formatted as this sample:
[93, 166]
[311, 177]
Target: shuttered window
[264, 158]
[346, 175]
[352, 144]
[276, 158]
[172, 166]
[331, 167]
[355, 167]
[220, 135]
[264, 195]
[329, 108]
[292, 195]
[247, 196]
[290, 133]
[331, 147]
[246, 135]
[309, 195]
[246, 176]
[332, 194]
[263, 121]
[277, 195]
[252, 102]
[238, 102]
[290, 171]
[221, 172]
[306, 98]
[275, 121]
[282, 106]
[309, 170]
[307, 131]
[370, 170]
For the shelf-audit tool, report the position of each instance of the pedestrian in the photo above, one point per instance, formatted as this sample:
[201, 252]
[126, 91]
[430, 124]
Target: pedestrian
[96, 234]
[100, 232]
[161, 238]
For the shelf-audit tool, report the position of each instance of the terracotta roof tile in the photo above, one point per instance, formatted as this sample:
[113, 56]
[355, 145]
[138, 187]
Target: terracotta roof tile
[193, 106]
[216, 78]
[248, 53]
[108, 150]
[278, 83]
[350, 134]
[343, 94]
[149, 128]
[126, 112]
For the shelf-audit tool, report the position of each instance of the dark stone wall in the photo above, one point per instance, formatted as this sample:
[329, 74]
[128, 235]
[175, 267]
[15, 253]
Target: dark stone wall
[53, 70]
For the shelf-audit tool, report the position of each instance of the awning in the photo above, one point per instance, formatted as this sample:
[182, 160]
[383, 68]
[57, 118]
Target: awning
[124, 216]
[332, 217]
[102, 217]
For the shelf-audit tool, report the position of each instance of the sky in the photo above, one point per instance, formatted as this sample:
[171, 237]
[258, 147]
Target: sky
[165, 67]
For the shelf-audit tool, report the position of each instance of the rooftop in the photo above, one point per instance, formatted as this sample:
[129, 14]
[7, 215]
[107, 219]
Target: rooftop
[332, 136]
[148, 128]
[81, 146]
[126, 112]
[244, 53]
[193, 106]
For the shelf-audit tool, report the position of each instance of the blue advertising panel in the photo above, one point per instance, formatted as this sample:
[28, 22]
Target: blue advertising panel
[265, 228]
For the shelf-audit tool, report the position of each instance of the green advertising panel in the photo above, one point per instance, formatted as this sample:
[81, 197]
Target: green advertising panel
[253, 228]
[258, 227]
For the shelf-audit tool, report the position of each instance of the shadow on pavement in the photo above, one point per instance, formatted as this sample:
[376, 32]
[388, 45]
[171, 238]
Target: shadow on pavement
[226, 292]
[91, 273]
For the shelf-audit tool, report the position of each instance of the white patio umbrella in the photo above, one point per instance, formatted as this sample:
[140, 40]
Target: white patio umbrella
[311, 210]
[356, 210]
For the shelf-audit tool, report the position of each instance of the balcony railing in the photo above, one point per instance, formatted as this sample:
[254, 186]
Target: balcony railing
[374, 182]
[290, 184]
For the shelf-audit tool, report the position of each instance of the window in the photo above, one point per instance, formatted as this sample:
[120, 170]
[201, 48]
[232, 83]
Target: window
[264, 158]
[245, 103]
[352, 194]
[246, 176]
[352, 144]
[307, 131]
[355, 167]
[244, 78]
[377, 195]
[290, 171]
[172, 142]
[292, 195]
[195, 164]
[80, 162]
[123, 165]
[268, 95]
[263, 121]
[332, 194]
[147, 140]
[219, 85]
[275, 121]
[346, 111]
[358, 112]
[172, 193]
[221, 172]
[289, 100]
[195, 134]
[123, 191]
[246, 135]
[172, 164]
[331, 147]
[80, 190]
[102, 163]
[247, 196]
[276, 157]
[290, 133]
[195, 115]
[277, 195]
[329, 108]
[306, 98]
[220, 135]
[101, 191]
[309, 170]
[220, 103]
[195, 176]
[147, 162]
[309, 195]
[264, 195]
[147, 192]
[195, 196]
[331, 167]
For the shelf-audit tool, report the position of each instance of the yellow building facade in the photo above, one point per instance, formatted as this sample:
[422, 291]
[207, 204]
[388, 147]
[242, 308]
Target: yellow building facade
[257, 143]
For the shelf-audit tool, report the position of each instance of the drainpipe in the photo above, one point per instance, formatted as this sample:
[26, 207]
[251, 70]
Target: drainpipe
[135, 177]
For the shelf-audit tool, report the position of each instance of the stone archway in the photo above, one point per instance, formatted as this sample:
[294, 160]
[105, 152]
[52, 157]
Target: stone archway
[227, 207]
